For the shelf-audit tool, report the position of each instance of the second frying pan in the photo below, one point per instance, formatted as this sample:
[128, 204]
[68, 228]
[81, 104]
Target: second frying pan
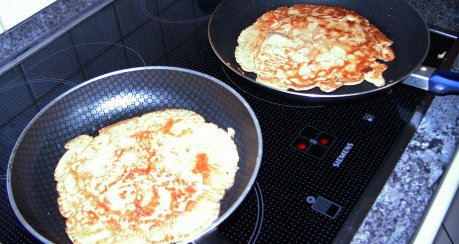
[397, 19]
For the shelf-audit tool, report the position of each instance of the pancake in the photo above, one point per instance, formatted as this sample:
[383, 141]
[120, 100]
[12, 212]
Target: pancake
[307, 46]
[157, 178]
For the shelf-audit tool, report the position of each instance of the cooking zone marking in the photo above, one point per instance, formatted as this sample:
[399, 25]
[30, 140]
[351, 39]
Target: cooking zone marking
[324, 206]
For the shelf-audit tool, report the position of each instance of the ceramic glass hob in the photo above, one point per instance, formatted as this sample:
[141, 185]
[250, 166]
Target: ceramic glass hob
[322, 166]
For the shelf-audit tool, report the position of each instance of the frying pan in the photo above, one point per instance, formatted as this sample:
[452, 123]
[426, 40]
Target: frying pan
[114, 97]
[397, 19]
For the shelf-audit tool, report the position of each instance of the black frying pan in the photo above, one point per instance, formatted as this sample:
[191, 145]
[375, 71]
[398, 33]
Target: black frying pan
[108, 99]
[397, 19]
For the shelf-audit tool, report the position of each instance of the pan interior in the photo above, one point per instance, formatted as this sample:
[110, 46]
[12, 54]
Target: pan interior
[106, 100]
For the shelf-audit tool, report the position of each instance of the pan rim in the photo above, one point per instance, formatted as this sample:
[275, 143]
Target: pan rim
[220, 219]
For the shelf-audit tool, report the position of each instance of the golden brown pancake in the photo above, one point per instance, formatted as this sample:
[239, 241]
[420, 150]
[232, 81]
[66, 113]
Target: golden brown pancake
[156, 178]
[308, 46]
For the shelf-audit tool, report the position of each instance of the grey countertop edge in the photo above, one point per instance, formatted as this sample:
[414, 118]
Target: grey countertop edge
[401, 205]
[33, 31]
[399, 208]
[404, 199]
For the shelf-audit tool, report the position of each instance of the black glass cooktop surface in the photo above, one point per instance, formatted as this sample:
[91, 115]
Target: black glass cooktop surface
[322, 166]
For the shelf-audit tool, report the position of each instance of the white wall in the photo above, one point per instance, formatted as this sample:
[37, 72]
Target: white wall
[13, 12]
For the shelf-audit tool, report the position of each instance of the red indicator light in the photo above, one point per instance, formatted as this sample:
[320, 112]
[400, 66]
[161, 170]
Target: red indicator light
[302, 146]
[324, 141]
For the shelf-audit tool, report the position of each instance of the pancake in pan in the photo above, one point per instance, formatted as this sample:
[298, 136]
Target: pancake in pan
[308, 46]
[157, 178]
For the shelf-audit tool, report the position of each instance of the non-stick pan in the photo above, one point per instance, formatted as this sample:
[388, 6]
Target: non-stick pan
[108, 99]
[397, 19]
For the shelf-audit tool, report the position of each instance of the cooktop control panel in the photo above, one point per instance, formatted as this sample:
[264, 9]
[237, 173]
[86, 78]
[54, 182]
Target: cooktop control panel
[313, 142]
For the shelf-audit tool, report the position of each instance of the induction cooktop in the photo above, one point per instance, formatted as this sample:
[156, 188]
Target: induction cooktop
[322, 167]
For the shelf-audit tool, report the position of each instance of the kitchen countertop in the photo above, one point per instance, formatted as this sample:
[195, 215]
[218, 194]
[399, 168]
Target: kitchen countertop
[400, 207]
[35, 29]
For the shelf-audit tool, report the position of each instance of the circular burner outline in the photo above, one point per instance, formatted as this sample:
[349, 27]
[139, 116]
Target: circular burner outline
[260, 214]
[264, 100]
[11, 86]
[81, 45]
[150, 15]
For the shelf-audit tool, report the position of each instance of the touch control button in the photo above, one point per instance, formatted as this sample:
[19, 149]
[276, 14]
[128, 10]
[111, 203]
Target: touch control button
[313, 142]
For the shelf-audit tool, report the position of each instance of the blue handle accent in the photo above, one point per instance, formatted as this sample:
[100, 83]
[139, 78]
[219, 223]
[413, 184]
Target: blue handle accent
[444, 82]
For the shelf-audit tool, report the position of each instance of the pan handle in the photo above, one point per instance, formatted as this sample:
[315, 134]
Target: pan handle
[444, 82]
